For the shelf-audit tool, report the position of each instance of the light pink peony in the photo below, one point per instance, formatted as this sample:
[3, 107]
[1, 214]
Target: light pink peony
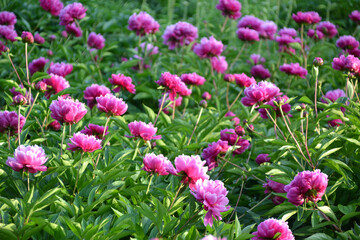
[111, 105]
[261, 92]
[143, 24]
[294, 69]
[230, 8]
[173, 84]
[212, 194]
[219, 64]
[180, 34]
[94, 91]
[259, 71]
[67, 110]
[73, 29]
[8, 33]
[355, 16]
[62, 69]
[120, 81]
[261, 158]
[208, 48]
[327, 28]
[37, 65]
[251, 22]
[29, 158]
[192, 79]
[8, 19]
[270, 227]
[95, 130]
[347, 42]
[272, 186]
[52, 6]
[306, 17]
[143, 130]
[96, 41]
[55, 84]
[213, 150]
[211, 237]
[243, 80]
[84, 143]
[9, 122]
[307, 186]
[248, 34]
[156, 164]
[72, 12]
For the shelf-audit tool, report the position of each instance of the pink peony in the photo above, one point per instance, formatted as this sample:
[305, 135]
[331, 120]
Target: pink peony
[208, 48]
[72, 12]
[55, 125]
[306, 17]
[280, 100]
[219, 64]
[52, 6]
[8, 33]
[213, 150]
[270, 227]
[121, 81]
[251, 22]
[236, 120]
[335, 122]
[156, 164]
[143, 24]
[96, 41]
[61, 69]
[29, 158]
[192, 79]
[3, 48]
[206, 96]
[256, 59]
[95, 130]
[294, 69]
[111, 105]
[230, 8]
[268, 30]
[73, 29]
[229, 78]
[243, 80]
[287, 31]
[272, 186]
[173, 84]
[67, 110]
[39, 39]
[259, 71]
[306, 186]
[315, 34]
[190, 168]
[211, 237]
[247, 34]
[8, 19]
[349, 63]
[333, 95]
[37, 65]
[261, 158]
[84, 142]
[231, 136]
[327, 28]
[9, 122]
[179, 34]
[347, 42]
[145, 131]
[55, 84]
[355, 16]
[27, 37]
[261, 92]
[212, 194]
[94, 91]
[64, 34]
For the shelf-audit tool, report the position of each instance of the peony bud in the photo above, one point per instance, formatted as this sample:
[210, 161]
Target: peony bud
[27, 37]
[239, 130]
[203, 104]
[318, 61]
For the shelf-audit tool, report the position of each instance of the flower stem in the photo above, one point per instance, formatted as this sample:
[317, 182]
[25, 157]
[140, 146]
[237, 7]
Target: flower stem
[237, 97]
[237, 56]
[78, 173]
[237, 202]
[161, 106]
[62, 139]
[69, 129]
[27, 67]
[256, 205]
[136, 149]
[19, 136]
[197, 122]
[107, 122]
[17, 74]
[8, 139]
[148, 188]
[225, 21]
[32, 105]
[28, 180]
[227, 96]
[173, 112]
[316, 86]
[176, 195]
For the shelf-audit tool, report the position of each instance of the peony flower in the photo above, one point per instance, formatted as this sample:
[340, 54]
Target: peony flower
[55, 125]
[211, 237]
[247, 34]
[29, 158]
[208, 48]
[8, 19]
[294, 69]
[52, 6]
[173, 84]
[349, 63]
[193, 79]
[333, 95]
[121, 81]
[156, 164]
[111, 105]
[8, 33]
[306, 186]
[37, 65]
[95, 130]
[145, 131]
[251, 22]
[231, 136]
[261, 158]
[280, 100]
[306, 17]
[236, 120]
[64, 34]
[96, 41]
[94, 91]
[143, 24]
[180, 34]
[73, 29]
[62, 69]
[256, 59]
[190, 168]
[229, 78]
[219, 64]
[84, 142]
[55, 84]
[39, 39]
[72, 12]
[335, 122]
[213, 150]
[9, 122]
[287, 31]
[327, 28]
[269, 228]
[27, 37]
[3, 48]
[67, 110]
[355, 16]
[230, 8]
[347, 42]
[259, 71]
[206, 96]
[261, 92]
[212, 194]
[243, 80]
[315, 34]
[272, 186]
[268, 30]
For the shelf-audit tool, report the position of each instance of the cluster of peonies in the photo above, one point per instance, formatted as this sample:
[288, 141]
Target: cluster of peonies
[180, 34]
[323, 29]
[251, 29]
[306, 17]
[7, 28]
[350, 64]
[286, 37]
[241, 79]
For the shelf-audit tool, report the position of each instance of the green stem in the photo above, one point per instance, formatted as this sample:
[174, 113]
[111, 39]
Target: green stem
[136, 149]
[28, 180]
[78, 173]
[176, 195]
[237, 56]
[32, 105]
[19, 135]
[225, 21]
[17, 74]
[161, 106]
[256, 205]
[237, 97]
[316, 86]
[27, 67]
[173, 112]
[148, 188]
[197, 122]
[227, 96]
[62, 139]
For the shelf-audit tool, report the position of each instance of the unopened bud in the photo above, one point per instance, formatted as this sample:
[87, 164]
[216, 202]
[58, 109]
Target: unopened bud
[41, 86]
[27, 37]
[19, 100]
[239, 130]
[318, 61]
[203, 103]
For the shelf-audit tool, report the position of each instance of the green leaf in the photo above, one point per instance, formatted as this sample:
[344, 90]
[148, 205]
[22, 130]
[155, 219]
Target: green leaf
[319, 236]
[150, 113]
[327, 153]
[39, 76]
[327, 210]
[305, 99]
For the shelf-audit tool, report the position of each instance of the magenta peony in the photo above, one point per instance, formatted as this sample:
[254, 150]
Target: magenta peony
[213, 150]
[269, 228]
[111, 105]
[67, 110]
[347, 42]
[219, 64]
[29, 158]
[96, 41]
[120, 81]
[230, 8]
[8, 33]
[294, 69]
[287, 31]
[37, 65]
[180, 34]
[247, 34]
[256, 59]
[173, 84]
[95, 130]
[261, 158]
[55, 84]
[72, 12]
[272, 186]
[243, 80]
[143, 24]
[192, 79]
[52, 6]
[251, 22]
[259, 71]
[9, 122]
[39, 39]
[55, 125]
[142, 130]
[306, 17]
[315, 34]
[62, 69]
[261, 92]
[94, 91]
[355, 16]
[84, 142]
[327, 28]
[268, 30]
[27, 37]
[73, 29]
[208, 48]
[156, 164]
[206, 96]
[8, 19]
